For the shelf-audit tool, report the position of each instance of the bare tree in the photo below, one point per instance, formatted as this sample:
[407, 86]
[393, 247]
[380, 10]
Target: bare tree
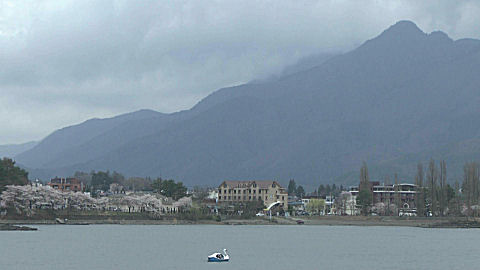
[470, 187]
[456, 203]
[442, 192]
[420, 195]
[432, 176]
[388, 209]
[397, 199]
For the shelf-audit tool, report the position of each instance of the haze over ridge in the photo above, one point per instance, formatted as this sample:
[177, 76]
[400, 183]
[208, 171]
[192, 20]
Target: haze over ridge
[404, 93]
[84, 59]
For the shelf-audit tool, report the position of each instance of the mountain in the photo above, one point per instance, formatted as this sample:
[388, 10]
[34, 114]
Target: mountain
[401, 95]
[303, 64]
[11, 150]
[62, 143]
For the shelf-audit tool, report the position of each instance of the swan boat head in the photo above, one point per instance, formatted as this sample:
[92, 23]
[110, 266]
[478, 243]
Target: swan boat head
[219, 257]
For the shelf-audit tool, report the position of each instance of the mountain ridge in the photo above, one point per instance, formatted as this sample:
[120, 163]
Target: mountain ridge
[404, 92]
[11, 150]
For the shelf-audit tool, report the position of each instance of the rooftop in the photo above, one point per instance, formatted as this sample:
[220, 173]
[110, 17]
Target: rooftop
[263, 184]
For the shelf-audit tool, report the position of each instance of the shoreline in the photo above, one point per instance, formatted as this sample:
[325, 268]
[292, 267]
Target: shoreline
[11, 227]
[308, 221]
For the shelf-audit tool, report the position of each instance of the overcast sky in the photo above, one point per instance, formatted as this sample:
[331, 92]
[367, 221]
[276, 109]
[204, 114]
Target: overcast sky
[63, 62]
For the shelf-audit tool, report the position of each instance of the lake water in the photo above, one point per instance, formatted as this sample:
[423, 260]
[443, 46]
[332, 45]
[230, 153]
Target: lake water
[250, 247]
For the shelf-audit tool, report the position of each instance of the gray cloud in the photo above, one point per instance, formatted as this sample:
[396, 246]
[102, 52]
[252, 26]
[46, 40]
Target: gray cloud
[64, 62]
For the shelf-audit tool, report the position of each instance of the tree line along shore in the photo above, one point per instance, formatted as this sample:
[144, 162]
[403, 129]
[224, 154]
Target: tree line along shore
[159, 201]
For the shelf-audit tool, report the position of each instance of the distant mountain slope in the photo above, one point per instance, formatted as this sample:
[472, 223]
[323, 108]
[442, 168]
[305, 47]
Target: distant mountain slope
[303, 64]
[65, 139]
[11, 150]
[403, 93]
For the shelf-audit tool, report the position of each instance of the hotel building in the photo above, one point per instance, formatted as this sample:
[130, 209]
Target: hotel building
[244, 191]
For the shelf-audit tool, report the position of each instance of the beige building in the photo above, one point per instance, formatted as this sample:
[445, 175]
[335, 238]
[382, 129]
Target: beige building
[243, 191]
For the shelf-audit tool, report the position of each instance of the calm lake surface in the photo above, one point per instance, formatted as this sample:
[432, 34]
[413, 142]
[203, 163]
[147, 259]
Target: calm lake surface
[250, 247]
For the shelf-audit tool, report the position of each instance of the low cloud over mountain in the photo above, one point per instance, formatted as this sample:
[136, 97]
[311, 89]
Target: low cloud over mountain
[404, 93]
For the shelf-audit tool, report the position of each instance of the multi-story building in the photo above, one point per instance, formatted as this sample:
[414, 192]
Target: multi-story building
[387, 193]
[244, 191]
[66, 184]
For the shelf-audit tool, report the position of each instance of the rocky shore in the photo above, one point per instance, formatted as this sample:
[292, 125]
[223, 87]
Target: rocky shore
[10, 227]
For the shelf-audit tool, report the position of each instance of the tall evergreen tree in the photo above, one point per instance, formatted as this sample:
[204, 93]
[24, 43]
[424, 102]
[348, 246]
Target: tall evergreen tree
[11, 174]
[321, 190]
[118, 178]
[292, 187]
[334, 190]
[364, 178]
[157, 185]
[300, 192]
[365, 195]
[170, 188]
[101, 180]
[328, 189]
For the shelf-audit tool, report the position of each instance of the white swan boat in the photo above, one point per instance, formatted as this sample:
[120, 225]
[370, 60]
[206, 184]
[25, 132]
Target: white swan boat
[219, 257]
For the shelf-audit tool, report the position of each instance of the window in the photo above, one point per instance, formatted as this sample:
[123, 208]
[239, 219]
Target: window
[234, 191]
[254, 191]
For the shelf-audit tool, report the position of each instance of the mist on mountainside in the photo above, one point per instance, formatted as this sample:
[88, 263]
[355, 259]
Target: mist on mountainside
[400, 98]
